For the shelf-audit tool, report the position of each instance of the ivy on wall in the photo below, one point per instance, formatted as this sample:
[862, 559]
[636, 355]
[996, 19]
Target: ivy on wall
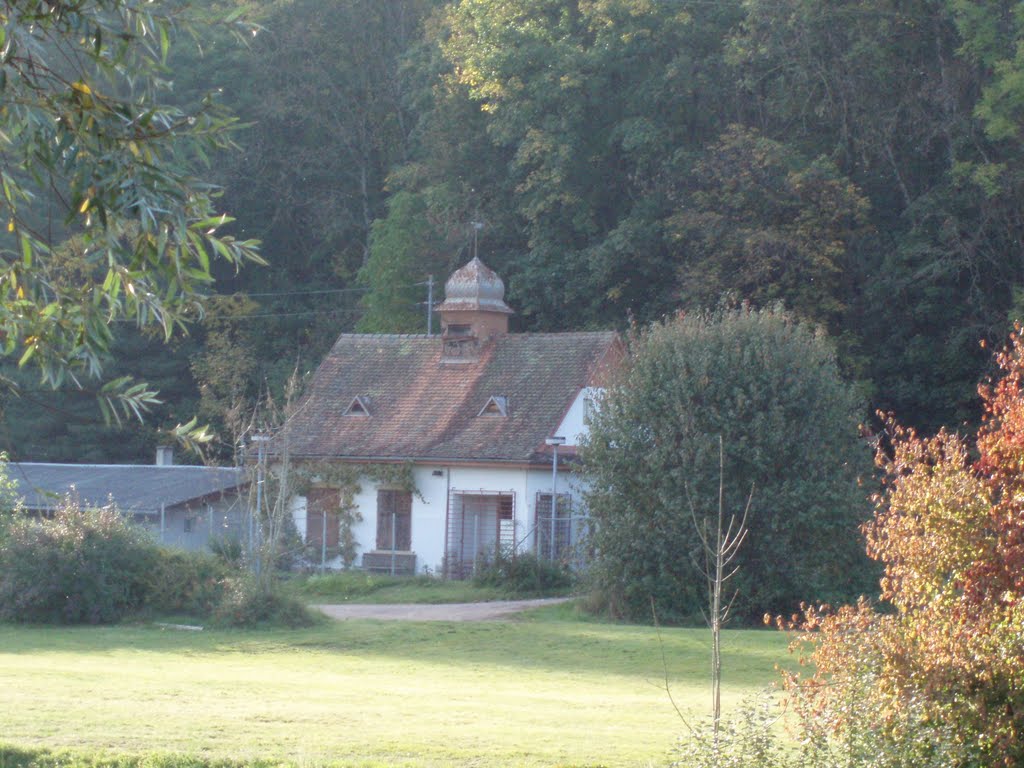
[347, 479]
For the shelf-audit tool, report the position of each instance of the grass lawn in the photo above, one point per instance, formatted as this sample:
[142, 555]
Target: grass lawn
[543, 690]
[361, 587]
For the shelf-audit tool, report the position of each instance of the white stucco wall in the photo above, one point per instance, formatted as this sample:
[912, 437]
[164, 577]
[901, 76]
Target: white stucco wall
[572, 427]
[434, 483]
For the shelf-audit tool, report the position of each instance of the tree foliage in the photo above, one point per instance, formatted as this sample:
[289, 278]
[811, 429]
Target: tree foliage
[769, 386]
[627, 158]
[949, 530]
[592, 102]
[329, 120]
[91, 147]
[401, 253]
[764, 223]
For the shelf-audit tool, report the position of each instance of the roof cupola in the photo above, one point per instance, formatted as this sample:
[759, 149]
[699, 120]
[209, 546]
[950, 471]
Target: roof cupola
[474, 307]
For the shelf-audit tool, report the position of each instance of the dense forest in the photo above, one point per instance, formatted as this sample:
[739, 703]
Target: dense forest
[859, 161]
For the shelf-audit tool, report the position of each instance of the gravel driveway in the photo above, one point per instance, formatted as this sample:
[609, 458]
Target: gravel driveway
[491, 611]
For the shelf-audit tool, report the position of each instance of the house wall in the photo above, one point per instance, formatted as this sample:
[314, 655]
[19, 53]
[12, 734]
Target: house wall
[434, 483]
[572, 427]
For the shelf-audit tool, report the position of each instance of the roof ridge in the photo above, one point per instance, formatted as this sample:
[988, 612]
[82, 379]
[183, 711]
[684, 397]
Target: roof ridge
[519, 334]
[565, 333]
[347, 335]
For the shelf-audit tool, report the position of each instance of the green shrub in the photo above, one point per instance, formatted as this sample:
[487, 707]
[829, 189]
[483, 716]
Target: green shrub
[193, 583]
[523, 574]
[769, 387]
[247, 604]
[744, 739]
[81, 566]
[229, 550]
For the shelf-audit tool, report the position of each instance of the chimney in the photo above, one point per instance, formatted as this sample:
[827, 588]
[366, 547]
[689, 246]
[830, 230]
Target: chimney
[165, 455]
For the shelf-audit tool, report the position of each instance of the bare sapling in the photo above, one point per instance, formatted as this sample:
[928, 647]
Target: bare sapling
[720, 546]
[270, 487]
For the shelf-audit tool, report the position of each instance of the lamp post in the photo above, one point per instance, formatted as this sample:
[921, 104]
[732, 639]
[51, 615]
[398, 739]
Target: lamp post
[554, 442]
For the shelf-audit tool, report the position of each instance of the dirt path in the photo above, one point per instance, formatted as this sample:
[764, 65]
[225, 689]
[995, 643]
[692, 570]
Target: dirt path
[491, 611]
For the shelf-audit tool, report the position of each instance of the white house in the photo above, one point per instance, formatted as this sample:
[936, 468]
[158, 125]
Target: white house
[471, 414]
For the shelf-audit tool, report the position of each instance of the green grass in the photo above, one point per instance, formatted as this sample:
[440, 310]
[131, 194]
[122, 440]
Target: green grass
[360, 587]
[540, 691]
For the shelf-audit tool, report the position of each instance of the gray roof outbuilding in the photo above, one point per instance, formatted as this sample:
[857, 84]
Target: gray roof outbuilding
[140, 489]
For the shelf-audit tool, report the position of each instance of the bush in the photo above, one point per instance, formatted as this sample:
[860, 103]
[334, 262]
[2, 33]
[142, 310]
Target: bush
[81, 566]
[744, 740]
[229, 550]
[750, 737]
[248, 604]
[523, 574]
[769, 387]
[93, 566]
[943, 660]
[193, 583]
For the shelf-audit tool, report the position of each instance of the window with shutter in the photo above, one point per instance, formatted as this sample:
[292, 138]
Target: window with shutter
[394, 520]
[322, 517]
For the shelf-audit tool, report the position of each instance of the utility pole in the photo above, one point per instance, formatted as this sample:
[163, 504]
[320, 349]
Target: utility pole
[430, 305]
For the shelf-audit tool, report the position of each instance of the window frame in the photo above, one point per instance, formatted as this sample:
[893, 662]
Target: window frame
[398, 502]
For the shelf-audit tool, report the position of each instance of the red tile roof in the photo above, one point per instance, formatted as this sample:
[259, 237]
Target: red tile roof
[422, 406]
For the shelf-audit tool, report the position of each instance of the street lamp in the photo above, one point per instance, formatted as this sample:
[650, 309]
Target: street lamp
[554, 442]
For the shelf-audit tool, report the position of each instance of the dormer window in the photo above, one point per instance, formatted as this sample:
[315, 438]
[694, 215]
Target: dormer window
[495, 406]
[360, 406]
[459, 330]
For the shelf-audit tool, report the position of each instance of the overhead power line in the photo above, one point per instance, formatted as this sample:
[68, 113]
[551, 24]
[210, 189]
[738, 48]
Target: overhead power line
[316, 292]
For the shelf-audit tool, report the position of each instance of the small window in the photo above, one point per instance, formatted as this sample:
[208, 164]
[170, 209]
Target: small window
[360, 406]
[188, 524]
[459, 330]
[495, 406]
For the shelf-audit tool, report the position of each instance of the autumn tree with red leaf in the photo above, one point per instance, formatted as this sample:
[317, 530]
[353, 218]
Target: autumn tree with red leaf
[938, 677]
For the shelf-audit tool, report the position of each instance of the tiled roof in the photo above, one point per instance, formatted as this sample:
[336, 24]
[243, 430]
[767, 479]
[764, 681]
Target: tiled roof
[424, 407]
[135, 488]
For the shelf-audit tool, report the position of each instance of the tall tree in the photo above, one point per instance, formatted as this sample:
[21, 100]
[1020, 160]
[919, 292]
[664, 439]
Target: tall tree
[401, 253]
[329, 123]
[591, 101]
[891, 92]
[764, 223]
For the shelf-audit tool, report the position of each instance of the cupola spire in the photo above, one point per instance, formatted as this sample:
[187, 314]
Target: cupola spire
[474, 304]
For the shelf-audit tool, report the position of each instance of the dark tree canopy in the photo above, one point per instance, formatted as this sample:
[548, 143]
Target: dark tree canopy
[769, 386]
[859, 160]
